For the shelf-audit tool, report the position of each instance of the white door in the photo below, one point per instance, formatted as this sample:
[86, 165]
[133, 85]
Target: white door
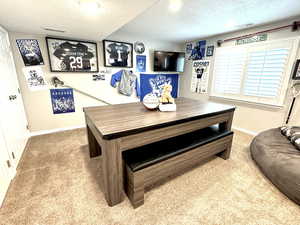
[12, 114]
[5, 175]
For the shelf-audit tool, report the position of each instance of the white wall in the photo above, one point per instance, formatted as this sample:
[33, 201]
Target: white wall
[253, 118]
[38, 104]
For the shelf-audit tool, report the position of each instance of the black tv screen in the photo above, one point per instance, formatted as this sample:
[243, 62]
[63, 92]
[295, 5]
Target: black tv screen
[168, 61]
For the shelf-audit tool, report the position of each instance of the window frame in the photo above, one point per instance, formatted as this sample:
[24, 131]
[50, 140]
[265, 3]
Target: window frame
[279, 101]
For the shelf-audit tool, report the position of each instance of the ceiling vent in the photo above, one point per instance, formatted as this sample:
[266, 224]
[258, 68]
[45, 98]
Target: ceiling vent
[54, 30]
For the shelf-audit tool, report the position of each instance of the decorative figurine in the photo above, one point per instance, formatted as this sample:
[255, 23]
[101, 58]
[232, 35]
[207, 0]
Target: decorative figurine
[166, 100]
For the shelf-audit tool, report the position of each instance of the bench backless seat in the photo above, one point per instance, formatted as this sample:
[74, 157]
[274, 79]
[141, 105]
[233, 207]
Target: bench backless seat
[148, 164]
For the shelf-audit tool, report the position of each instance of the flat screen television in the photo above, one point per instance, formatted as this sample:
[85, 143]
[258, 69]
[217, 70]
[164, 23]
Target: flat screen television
[168, 61]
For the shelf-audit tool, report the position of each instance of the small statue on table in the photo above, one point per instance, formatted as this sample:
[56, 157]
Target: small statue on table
[167, 102]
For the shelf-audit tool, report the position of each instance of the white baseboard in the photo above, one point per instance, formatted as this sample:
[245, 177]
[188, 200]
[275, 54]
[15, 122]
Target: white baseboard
[36, 133]
[245, 131]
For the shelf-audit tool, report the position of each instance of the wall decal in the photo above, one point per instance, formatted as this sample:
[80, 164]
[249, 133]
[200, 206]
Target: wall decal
[200, 76]
[248, 40]
[140, 63]
[117, 54]
[101, 74]
[35, 78]
[210, 50]
[30, 52]
[62, 100]
[139, 47]
[72, 56]
[154, 84]
[198, 51]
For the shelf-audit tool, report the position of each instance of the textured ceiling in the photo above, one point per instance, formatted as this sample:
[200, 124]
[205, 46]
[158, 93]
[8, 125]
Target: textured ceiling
[29, 16]
[203, 18]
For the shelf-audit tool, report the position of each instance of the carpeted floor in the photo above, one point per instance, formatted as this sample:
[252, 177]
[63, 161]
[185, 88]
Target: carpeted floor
[57, 183]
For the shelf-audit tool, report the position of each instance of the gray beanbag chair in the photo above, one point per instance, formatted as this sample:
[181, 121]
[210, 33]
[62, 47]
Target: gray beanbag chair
[279, 161]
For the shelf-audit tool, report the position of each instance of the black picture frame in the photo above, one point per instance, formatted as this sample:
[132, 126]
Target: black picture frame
[85, 48]
[296, 72]
[128, 63]
[30, 52]
[210, 50]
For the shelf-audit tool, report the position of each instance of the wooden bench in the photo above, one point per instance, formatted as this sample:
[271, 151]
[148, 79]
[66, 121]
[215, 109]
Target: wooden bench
[150, 163]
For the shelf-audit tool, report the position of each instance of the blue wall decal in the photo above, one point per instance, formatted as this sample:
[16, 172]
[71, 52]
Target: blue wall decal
[140, 63]
[62, 100]
[154, 83]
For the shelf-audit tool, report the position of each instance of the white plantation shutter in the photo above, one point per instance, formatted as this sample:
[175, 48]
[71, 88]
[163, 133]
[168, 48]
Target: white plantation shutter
[264, 74]
[256, 72]
[228, 71]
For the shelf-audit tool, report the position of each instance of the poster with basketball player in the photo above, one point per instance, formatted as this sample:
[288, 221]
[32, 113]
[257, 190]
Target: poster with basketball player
[30, 52]
[62, 100]
[35, 78]
[72, 56]
[117, 54]
[200, 76]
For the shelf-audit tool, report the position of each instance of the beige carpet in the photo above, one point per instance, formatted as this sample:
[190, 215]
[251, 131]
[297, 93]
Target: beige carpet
[57, 183]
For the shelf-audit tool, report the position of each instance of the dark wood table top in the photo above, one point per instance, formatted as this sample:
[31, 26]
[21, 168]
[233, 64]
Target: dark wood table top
[124, 119]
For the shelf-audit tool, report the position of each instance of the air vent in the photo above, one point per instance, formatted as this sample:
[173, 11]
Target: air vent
[54, 30]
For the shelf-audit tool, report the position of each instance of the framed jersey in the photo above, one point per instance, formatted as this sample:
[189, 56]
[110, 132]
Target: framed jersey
[72, 55]
[117, 54]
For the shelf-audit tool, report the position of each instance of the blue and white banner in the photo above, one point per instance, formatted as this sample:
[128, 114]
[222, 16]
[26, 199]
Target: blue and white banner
[62, 100]
[140, 63]
[154, 84]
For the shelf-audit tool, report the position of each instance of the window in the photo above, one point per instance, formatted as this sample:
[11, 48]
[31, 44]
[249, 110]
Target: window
[256, 72]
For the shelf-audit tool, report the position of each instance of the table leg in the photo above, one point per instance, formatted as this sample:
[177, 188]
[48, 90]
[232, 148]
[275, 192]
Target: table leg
[225, 154]
[112, 171]
[94, 147]
[226, 126]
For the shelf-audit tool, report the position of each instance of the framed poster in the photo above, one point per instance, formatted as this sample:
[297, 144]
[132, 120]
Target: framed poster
[30, 52]
[200, 76]
[198, 51]
[72, 56]
[117, 54]
[62, 100]
[154, 84]
[210, 50]
[296, 73]
[35, 78]
[140, 63]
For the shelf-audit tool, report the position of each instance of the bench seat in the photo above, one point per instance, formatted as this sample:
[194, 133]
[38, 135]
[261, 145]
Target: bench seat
[150, 163]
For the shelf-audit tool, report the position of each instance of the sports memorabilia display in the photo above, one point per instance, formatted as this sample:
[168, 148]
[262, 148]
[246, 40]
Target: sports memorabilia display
[126, 82]
[62, 100]
[30, 52]
[200, 76]
[72, 56]
[210, 50]
[35, 78]
[139, 47]
[296, 73]
[154, 84]
[117, 54]
[151, 101]
[140, 63]
[198, 51]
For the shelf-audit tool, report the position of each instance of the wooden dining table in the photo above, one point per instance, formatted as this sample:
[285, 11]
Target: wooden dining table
[116, 128]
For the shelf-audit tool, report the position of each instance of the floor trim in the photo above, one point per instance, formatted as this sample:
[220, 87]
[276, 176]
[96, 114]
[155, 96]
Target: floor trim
[252, 133]
[37, 133]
